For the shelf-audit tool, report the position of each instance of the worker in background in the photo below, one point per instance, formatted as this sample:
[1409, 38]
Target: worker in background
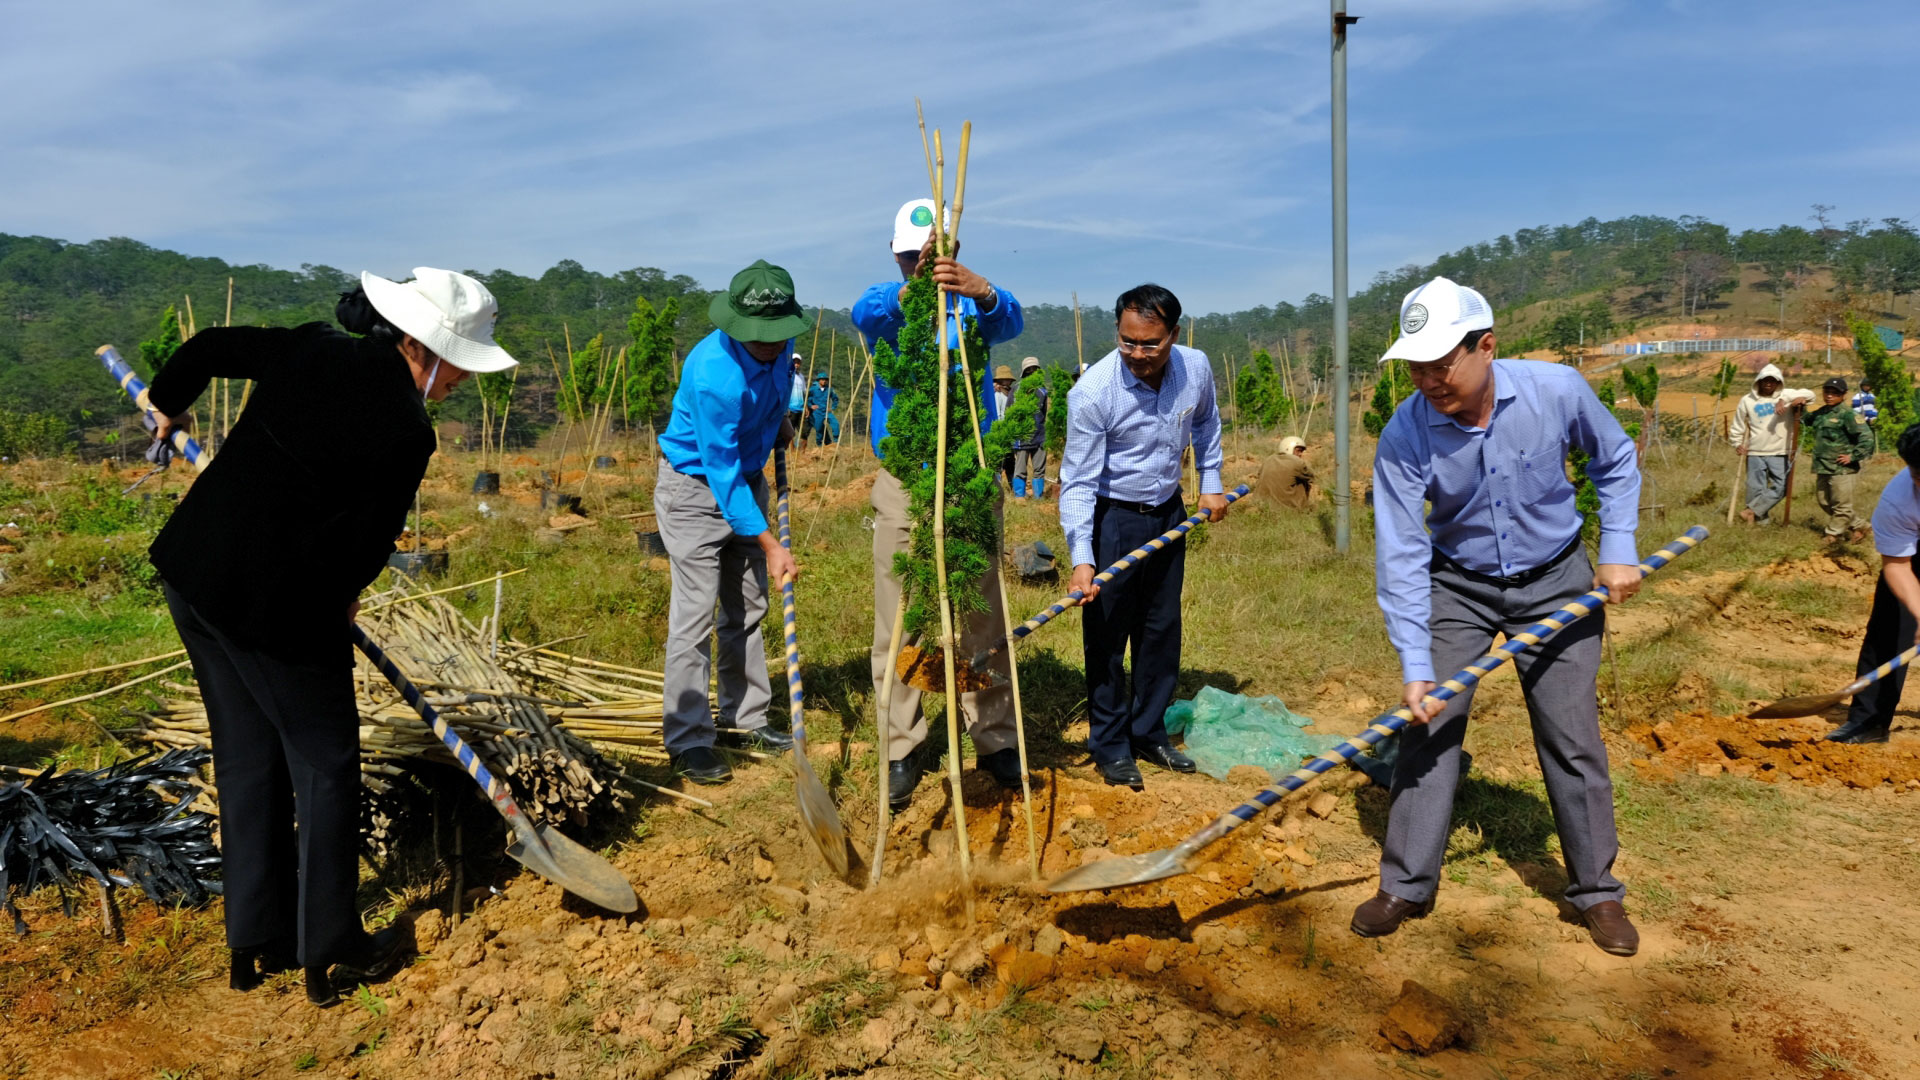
[1030, 448]
[1287, 479]
[1840, 443]
[822, 421]
[1759, 431]
[797, 397]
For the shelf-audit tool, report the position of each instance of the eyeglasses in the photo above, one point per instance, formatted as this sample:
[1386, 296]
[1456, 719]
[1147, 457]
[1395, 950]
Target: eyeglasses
[1137, 348]
[1423, 372]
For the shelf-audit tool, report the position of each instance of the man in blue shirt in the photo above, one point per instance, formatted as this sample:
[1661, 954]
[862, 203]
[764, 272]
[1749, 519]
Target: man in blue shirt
[1130, 420]
[822, 400]
[710, 502]
[878, 316]
[1485, 441]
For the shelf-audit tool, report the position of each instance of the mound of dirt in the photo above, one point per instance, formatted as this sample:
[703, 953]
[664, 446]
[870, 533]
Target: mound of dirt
[1774, 750]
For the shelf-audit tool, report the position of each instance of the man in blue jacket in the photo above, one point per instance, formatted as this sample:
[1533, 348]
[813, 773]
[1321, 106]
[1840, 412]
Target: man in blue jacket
[878, 316]
[710, 502]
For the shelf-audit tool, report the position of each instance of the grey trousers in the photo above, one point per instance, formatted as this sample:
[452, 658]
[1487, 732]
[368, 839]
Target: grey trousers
[1030, 465]
[989, 713]
[1558, 681]
[1766, 482]
[1835, 492]
[712, 567]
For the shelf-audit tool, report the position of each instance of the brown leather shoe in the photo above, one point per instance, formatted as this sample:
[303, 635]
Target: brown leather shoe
[1383, 914]
[1611, 929]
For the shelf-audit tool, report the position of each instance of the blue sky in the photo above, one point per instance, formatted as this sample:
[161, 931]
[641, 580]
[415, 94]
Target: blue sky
[1184, 142]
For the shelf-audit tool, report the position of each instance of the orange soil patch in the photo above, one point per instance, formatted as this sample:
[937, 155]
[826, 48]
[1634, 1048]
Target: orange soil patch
[1773, 751]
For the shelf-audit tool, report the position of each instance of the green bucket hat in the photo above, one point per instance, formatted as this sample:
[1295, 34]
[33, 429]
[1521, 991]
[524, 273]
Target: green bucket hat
[759, 306]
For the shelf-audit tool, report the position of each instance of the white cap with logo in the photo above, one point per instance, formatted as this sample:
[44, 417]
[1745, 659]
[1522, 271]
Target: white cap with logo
[1434, 318]
[912, 225]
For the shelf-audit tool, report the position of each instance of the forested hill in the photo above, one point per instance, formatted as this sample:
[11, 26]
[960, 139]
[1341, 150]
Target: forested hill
[59, 300]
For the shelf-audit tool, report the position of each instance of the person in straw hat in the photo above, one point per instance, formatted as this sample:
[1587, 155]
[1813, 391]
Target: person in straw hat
[1287, 479]
[1485, 443]
[261, 566]
[710, 501]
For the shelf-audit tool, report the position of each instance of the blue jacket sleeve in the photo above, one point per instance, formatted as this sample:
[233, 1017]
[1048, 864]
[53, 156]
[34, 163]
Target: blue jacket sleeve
[1614, 470]
[1403, 552]
[716, 425]
[877, 313]
[1005, 321]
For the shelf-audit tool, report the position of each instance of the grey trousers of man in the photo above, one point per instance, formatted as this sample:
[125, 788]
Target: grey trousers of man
[713, 567]
[1766, 482]
[1835, 493]
[989, 713]
[1558, 681]
[1030, 464]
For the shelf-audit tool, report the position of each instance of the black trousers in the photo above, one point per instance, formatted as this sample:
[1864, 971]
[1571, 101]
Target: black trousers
[286, 751]
[1890, 631]
[1139, 610]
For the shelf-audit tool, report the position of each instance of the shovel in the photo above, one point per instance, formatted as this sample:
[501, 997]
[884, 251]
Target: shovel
[1117, 873]
[818, 819]
[1815, 704]
[542, 849]
[922, 669]
[137, 390]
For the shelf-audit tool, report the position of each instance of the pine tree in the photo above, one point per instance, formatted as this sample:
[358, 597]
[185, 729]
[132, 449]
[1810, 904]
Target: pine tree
[583, 389]
[650, 360]
[1892, 382]
[1393, 386]
[1059, 384]
[156, 353]
[911, 444]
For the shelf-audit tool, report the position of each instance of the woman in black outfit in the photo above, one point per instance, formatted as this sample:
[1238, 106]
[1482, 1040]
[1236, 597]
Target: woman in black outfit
[262, 565]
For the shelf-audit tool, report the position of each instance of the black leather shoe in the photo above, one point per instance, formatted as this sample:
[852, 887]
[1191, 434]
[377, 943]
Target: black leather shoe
[380, 956]
[1122, 773]
[1003, 765]
[1860, 731]
[1383, 914]
[763, 738]
[902, 777]
[248, 968]
[1164, 756]
[702, 765]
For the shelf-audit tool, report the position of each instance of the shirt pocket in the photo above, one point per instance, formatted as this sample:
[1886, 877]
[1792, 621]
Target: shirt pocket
[1540, 474]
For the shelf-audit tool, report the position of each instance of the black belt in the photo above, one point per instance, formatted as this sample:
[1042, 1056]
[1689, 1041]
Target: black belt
[1526, 577]
[1173, 501]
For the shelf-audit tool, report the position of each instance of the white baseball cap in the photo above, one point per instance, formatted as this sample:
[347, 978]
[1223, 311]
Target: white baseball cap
[912, 225]
[448, 312]
[1433, 319]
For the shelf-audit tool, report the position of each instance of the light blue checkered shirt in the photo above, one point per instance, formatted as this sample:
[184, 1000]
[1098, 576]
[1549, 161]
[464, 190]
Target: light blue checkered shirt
[1125, 439]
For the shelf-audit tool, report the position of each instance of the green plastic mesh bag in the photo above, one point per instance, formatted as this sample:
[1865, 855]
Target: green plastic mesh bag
[1224, 730]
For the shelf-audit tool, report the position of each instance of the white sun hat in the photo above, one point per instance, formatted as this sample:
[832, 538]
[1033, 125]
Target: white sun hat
[450, 313]
[1433, 319]
[912, 224]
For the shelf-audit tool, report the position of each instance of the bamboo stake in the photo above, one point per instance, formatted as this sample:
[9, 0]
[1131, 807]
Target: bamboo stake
[90, 671]
[500, 445]
[883, 730]
[1079, 345]
[96, 694]
[378, 604]
[226, 385]
[834, 463]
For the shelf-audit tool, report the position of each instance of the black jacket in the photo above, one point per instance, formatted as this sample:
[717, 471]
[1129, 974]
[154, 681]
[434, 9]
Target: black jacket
[299, 510]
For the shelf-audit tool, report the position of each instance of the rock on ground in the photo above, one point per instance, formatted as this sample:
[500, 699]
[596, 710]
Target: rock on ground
[1423, 1021]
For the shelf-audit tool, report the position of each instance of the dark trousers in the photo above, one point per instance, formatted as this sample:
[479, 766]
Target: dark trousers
[286, 751]
[1557, 679]
[1890, 630]
[1141, 610]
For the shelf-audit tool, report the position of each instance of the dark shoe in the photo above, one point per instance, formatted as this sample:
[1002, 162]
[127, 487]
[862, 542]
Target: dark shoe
[902, 777]
[701, 765]
[1164, 756]
[763, 738]
[1003, 765]
[248, 968]
[1122, 773]
[1860, 731]
[1383, 914]
[380, 956]
[1611, 929]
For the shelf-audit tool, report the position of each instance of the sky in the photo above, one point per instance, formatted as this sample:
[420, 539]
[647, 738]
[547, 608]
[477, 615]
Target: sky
[1182, 142]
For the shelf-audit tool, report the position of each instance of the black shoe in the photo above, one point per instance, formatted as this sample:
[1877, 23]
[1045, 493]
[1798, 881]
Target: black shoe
[1164, 756]
[1860, 731]
[378, 957]
[902, 777]
[763, 738]
[1003, 765]
[248, 968]
[1383, 914]
[1122, 773]
[702, 765]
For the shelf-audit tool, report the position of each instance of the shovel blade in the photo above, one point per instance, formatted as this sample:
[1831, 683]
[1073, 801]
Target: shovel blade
[818, 819]
[1121, 871]
[555, 856]
[926, 670]
[1785, 708]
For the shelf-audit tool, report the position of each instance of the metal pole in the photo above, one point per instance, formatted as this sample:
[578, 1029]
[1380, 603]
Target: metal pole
[1343, 462]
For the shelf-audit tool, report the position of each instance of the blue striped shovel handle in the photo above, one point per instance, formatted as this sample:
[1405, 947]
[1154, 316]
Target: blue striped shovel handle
[137, 390]
[796, 692]
[1125, 563]
[1389, 724]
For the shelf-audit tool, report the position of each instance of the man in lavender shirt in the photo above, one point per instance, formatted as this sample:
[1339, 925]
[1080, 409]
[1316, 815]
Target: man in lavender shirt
[1485, 441]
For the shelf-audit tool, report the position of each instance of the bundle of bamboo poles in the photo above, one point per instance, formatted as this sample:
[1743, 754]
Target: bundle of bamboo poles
[543, 721]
